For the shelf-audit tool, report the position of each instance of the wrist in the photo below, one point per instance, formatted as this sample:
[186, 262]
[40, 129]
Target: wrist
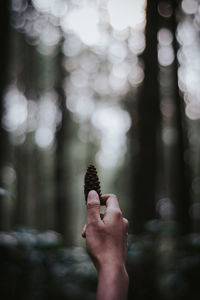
[113, 282]
[112, 271]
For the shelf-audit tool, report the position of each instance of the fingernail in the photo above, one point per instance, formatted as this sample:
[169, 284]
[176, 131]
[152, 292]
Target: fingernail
[93, 195]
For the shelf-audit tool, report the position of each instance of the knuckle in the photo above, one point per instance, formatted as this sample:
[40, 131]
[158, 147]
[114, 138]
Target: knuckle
[117, 212]
[126, 222]
[113, 196]
[93, 226]
[93, 204]
[90, 225]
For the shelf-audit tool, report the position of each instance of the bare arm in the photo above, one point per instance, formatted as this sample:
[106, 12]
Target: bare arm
[106, 239]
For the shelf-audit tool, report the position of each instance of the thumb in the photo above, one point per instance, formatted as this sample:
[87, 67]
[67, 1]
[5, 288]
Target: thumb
[93, 207]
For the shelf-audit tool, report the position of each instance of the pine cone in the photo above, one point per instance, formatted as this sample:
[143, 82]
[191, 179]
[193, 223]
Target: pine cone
[92, 181]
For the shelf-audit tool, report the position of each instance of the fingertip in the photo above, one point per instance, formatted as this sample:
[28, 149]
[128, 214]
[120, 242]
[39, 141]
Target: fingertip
[106, 196]
[83, 234]
[126, 223]
[110, 200]
[84, 231]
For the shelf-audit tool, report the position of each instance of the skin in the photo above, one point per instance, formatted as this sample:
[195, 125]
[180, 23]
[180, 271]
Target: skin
[106, 239]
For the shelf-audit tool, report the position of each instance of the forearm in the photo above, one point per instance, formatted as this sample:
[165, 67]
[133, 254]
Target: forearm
[113, 283]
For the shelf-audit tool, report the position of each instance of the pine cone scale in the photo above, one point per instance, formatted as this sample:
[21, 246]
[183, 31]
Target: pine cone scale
[91, 182]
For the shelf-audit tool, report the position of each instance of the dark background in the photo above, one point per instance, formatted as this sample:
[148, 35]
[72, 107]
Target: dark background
[112, 83]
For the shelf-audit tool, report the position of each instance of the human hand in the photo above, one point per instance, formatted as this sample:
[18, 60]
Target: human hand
[106, 234]
[106, 238]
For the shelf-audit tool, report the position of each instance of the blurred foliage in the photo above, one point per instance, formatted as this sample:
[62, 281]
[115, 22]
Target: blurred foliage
[35, 265]
[162, 265]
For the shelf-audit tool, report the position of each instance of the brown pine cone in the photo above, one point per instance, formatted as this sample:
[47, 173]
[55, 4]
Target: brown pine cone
[92, 181]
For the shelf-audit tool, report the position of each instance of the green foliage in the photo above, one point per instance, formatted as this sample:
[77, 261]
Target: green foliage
[163, 265]
[37, 265]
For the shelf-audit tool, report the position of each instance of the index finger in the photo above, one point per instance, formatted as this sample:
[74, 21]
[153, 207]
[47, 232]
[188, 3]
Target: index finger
[111, 201]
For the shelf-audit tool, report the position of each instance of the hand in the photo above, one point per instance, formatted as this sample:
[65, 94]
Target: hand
[106, 235]
[106, 239]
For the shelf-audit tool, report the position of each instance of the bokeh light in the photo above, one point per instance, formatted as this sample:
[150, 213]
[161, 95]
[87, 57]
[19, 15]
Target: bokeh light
[98, 49]
[127, 13]
[15, 109]
[188, 56]
[190, 6]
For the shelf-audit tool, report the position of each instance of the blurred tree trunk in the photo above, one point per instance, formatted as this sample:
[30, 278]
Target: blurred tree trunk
[24, 210]
[180, 173]
[43, 189]
[4, 38]
[148, 122]
[62, 199]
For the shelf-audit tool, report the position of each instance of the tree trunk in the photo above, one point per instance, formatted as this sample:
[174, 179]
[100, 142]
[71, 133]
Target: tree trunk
[4, 38]
[148, 121]
[180, 184]
[62, 204]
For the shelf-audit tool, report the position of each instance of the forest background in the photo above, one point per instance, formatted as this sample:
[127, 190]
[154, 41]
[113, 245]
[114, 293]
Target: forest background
[113, 83]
